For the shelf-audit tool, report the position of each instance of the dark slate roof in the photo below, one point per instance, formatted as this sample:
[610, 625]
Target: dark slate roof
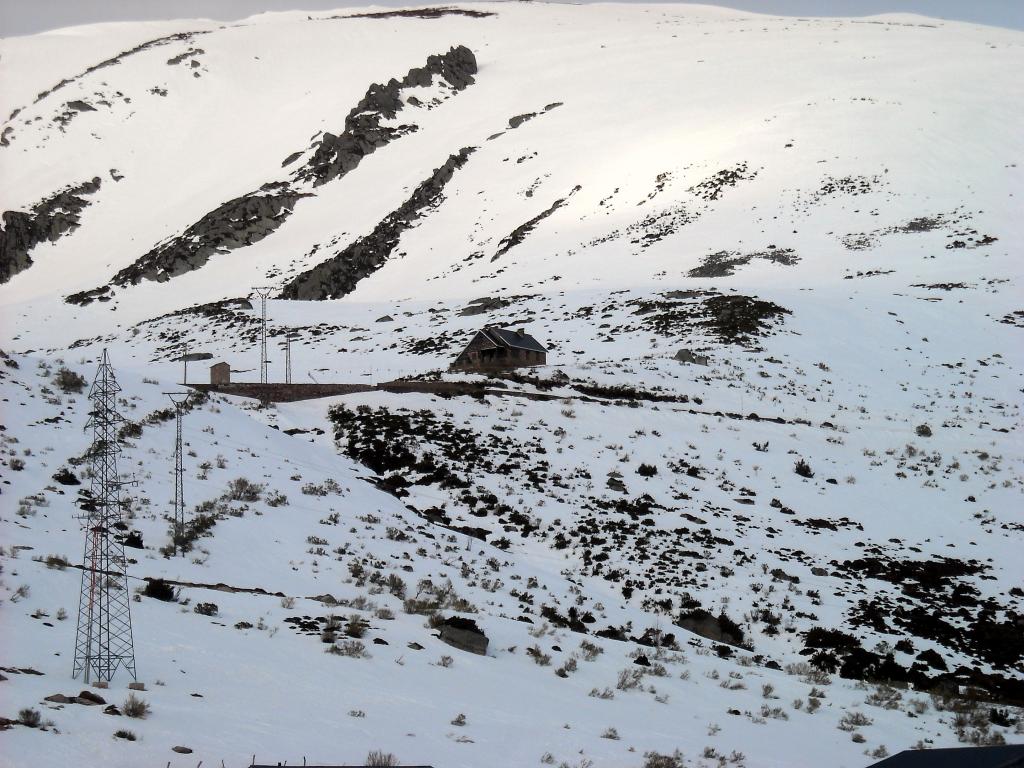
[506, 337]
[1005, 756]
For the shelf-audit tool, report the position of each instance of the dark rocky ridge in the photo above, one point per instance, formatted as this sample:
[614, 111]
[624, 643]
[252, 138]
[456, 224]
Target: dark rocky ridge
[724, 263]
[517, 235]
[236, 223]
[419, 13]
[48, 220]
[339, 275]
[337, 155]
[252, 217]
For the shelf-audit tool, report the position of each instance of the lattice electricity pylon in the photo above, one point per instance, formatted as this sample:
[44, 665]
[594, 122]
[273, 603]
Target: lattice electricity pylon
[178, 527]
[263, 293]
[104, 638]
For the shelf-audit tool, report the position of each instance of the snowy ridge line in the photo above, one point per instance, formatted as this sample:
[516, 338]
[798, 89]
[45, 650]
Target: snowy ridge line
[177, 36]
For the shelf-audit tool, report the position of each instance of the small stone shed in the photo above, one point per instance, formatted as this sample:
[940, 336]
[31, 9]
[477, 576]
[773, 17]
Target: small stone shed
[220, 373]
[493, 348]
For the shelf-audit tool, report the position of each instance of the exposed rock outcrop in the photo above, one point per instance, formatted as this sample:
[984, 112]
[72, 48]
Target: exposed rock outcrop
[517, 235]
[464, 634]
[418, 13]
[738, 318]
[236, 223]
[364, 134]
[48, 220]
[339, 275]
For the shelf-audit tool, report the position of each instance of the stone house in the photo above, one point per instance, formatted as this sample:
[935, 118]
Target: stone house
[493, 348]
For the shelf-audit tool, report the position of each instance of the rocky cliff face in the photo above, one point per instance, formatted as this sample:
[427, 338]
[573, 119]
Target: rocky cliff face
[47, 221]
[337, 155]
[339, 275]
[237, 223]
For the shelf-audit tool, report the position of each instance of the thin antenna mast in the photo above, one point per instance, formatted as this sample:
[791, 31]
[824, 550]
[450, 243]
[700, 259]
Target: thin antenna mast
[179, 399]
[103, 640]
[263, 293]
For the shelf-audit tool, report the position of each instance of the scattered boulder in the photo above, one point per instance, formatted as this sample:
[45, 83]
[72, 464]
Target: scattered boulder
[60, 698]
[90, 698]
[686, 356]
[181, 750]
[719, 629]
[464, 634]
[112, 710]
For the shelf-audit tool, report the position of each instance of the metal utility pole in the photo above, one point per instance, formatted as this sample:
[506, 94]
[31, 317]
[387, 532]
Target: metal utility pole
[287, 359]
[184, 359]
[179, 399]
[103, 641]
[263, 293]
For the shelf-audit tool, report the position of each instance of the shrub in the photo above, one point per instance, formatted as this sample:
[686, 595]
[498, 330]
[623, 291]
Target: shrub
[355, 626]
[657, 760]
[647, 470]
[379, 759]
[567, 668]
[276, 499]
[539, 657]
[240, 489]
[68, 381]
[57, 561]
[396, 586]
[923, 430]
[160, 590]
[353, 649]
[30, 717]
[16, 464]
[135, 707]
[629, 679]
[853, 719]
[610, 733]
[460, 720]
[803, 469]
[206, 609]
[123, 734]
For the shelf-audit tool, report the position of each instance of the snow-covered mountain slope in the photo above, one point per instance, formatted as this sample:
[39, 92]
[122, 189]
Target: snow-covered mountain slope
[821, 214]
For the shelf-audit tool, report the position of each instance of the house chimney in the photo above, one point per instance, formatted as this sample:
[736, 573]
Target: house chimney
[521, 332]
